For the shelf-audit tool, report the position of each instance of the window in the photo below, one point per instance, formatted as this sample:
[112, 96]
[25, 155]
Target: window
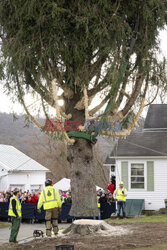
[19, 186]
[112, 168]
[35, 188]
[137, 176]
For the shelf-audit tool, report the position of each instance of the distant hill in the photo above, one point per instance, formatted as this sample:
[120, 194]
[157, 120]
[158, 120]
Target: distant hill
[52, 154]
[31, 141]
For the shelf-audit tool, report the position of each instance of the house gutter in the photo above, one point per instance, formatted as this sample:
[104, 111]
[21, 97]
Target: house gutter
[138, 157]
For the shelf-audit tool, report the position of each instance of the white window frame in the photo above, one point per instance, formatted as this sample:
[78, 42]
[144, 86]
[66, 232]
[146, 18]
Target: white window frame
[19, 186]
[145, 176]
[31, 187]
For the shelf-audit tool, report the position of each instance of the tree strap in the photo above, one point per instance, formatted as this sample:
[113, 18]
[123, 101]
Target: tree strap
[83, 135]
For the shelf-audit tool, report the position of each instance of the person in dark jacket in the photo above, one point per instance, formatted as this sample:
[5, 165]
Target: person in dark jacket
[103, 202]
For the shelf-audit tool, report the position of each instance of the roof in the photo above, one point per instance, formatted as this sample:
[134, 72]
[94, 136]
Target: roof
[151, 141]
[109, 161]
[14, 160]
[156, 117]
[145, 143]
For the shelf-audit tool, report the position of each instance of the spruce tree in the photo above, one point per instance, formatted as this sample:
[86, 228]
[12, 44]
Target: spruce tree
[83, 48]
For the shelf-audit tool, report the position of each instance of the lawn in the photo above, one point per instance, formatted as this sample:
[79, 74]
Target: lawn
[6, 247]
[153, 218]
[156, 247]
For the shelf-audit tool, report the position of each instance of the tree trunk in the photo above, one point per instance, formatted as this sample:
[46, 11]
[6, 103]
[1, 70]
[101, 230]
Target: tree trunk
[83, 189]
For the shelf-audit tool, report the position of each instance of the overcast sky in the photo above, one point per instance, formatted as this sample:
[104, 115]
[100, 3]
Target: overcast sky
[7, 106]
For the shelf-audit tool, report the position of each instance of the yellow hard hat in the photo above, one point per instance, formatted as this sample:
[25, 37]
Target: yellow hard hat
[121, 183]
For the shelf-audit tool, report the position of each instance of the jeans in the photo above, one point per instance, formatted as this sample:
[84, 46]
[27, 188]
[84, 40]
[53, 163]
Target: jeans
[99, 216]
[121, 205]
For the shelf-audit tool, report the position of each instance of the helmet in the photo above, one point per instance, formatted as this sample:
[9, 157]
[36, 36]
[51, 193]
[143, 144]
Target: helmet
[121, 183]
[48, 182]
[16, 191]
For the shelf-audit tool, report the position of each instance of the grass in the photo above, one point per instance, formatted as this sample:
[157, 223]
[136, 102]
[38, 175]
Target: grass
[4, 225]
[6, 247]
[159, 247]
[144, 219]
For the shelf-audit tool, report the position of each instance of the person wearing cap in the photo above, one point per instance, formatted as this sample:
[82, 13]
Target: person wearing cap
[120, 196]
[15, 213]
[51, 202]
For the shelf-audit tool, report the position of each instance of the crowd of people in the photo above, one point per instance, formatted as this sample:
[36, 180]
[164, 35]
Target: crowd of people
[25, 197]
[31, 197]
[106, 196]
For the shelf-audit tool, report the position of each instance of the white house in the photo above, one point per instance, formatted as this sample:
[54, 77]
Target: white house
[141, 160]
[19, 170]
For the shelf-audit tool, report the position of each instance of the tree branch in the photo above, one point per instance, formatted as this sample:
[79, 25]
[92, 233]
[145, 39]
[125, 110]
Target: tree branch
[31, 118]
[129, 129]
[135, 93]
[86, 103]
[45, 94]
[97, 66]
[98, 107]
[153, 98]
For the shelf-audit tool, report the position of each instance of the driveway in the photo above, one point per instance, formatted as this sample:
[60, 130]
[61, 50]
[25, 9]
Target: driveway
[25, 232]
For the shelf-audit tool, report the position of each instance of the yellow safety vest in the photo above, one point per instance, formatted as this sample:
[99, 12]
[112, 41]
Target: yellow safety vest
[119, 195]
[50, 198]
[98, 203]
[63, 199]
[18, 207]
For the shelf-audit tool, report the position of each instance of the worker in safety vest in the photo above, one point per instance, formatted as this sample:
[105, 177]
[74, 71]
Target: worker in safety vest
[98, 206]
[15, 213]
[50, 199]
[120, 196]
[63, 198]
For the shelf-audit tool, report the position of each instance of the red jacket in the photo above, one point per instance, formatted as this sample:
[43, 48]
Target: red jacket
[33, 200]
[111, 188]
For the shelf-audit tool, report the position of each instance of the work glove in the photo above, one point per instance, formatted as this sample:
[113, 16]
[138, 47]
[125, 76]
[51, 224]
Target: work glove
[39, 211]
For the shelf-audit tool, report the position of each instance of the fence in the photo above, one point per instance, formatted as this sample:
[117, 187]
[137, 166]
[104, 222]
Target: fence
[29, 211]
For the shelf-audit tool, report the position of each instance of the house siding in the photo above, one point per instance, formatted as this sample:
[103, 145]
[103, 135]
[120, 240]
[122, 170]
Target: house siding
[153, 199]
[27, 179]
[4, 183]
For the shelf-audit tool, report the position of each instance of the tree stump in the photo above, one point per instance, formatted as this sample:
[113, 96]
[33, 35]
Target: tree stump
[86, 227]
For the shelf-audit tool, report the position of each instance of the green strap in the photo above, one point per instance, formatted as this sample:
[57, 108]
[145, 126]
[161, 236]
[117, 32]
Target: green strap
[83, 135]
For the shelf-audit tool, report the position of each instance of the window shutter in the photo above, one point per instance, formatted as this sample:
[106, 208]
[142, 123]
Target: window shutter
[124, 173]
[150, 176]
